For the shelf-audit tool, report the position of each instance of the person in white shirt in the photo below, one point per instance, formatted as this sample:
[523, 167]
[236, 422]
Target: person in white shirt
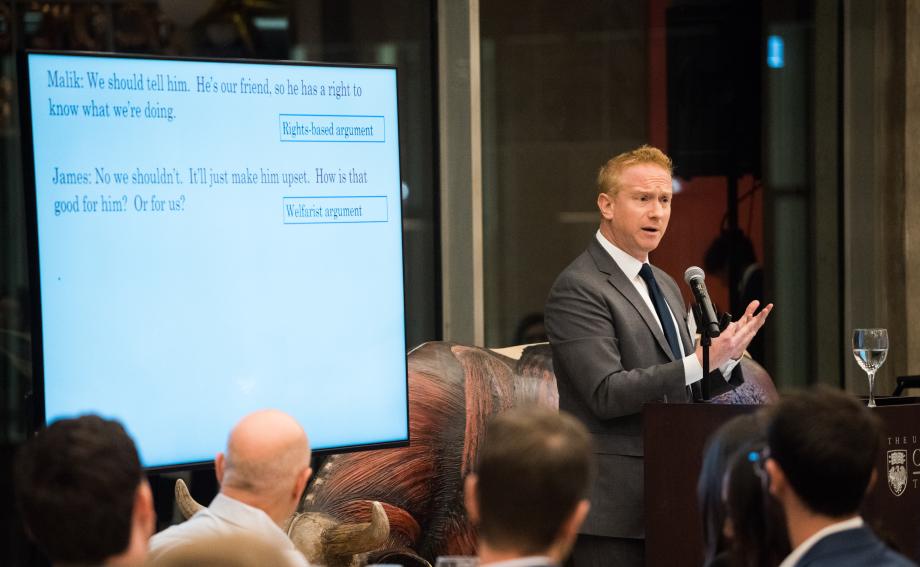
[821, 451]
[528, 494]
[262, 475]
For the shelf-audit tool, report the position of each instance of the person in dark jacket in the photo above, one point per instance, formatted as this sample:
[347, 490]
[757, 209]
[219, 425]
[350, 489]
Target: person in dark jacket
[821, 449]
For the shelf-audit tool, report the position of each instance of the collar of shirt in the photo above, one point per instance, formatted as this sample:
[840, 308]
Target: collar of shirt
[249, 517]
[803, 548]
[522, 562]
[627, 263]
[630, 268]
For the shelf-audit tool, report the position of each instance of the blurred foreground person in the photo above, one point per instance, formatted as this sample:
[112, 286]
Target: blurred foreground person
[822, 447]
[755, 523]
[83, 495]
[262, 475]
[238, 550]
[528, 495]
[741, 524]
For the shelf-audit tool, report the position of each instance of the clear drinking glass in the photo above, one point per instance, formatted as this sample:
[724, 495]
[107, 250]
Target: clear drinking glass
[870, 348]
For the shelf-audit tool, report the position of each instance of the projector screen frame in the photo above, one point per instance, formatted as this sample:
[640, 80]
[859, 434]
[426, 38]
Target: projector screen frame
[37, 420]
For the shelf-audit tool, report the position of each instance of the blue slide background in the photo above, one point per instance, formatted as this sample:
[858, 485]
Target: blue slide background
[181, 320]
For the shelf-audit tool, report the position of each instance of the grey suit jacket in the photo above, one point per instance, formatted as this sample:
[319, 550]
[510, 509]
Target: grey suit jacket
[611, 357]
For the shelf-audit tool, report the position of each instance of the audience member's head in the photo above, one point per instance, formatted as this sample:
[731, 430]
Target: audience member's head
[721, 448]
[755, 522]
[236, 550]
[528, 495]
[823, 444]
[266, 464]
[82, 493]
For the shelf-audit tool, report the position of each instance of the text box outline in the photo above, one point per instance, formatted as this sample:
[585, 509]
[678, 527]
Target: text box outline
[385, 198]
[382, 117]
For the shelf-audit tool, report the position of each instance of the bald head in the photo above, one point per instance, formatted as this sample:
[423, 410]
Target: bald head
[267, 456]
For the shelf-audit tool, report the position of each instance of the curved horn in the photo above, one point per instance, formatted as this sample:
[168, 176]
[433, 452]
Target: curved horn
[349, 539]
[187, 504]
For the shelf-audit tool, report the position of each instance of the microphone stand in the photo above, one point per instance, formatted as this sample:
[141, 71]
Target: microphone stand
[705, 343]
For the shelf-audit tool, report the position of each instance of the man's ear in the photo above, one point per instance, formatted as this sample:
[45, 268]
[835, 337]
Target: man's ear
[872, 480]
[605, 205]
[562, 545]
[471, 497]
[143, 514]
[576, 519]
[219, 464]
[778, 485]
[302, 479]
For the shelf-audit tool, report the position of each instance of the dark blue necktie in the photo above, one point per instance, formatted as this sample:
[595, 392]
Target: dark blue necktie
[667, 324]
[661, 308]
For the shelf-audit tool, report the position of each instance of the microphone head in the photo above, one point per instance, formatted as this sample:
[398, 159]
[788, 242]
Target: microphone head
[694, 273]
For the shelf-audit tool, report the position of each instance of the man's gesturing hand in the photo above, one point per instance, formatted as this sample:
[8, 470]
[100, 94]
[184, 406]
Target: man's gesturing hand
[732, 342]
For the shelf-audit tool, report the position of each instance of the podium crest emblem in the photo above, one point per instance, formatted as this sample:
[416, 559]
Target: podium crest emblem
[897, 471]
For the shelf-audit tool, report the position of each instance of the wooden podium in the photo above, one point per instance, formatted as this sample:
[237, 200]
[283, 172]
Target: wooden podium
[675, 435]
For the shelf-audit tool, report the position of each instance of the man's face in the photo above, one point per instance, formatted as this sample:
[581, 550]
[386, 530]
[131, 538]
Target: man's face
[636, 218]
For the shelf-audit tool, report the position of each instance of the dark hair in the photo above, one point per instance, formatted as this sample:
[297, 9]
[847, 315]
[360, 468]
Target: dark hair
[759, 534]
[75, 485]
[534, 467]
[722, 446]
[825, 442]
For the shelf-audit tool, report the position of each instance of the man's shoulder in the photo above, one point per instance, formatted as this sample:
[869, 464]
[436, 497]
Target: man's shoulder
[581, 263]
[202, 524]
[858, 546]
[223, 516]
[233, 517]
[579, 271]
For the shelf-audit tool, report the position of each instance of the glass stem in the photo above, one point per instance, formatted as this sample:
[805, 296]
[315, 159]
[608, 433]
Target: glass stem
[871, 389]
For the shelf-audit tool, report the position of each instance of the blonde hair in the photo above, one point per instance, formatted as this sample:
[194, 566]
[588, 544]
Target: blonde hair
[608, 177]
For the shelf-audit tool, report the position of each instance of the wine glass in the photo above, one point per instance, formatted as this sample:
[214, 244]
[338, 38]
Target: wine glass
[870, 348]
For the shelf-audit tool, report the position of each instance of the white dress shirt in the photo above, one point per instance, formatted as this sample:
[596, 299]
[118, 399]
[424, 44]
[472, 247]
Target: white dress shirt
[226, 516]
[693, 370]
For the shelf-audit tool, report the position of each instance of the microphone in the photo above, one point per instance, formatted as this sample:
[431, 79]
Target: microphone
[695, 278]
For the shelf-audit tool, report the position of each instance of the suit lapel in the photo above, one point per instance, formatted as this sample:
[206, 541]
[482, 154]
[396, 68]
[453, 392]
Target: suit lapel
[618, 280]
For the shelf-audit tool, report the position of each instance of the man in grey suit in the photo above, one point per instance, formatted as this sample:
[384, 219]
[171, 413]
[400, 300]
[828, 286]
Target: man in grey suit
[619, 334]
